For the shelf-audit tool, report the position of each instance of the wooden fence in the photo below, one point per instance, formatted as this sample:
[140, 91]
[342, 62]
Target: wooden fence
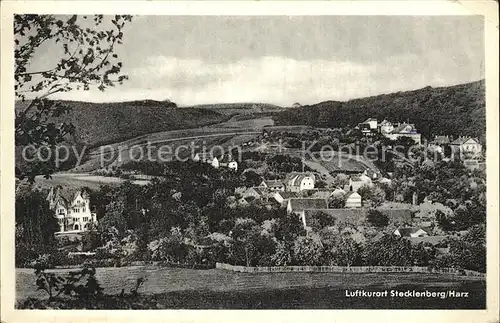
[354, 269]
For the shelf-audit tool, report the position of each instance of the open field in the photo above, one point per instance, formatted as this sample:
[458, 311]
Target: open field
[187, 288]
[220, 134]
[237, 123]
[77, 181]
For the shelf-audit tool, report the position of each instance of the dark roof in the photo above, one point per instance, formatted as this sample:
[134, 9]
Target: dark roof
[397, 215]
[274, 183]
[323, 193]
[303, 204]
[258, 190]
[288, 195]
[358, 216]
[441, 140]
[65, 196]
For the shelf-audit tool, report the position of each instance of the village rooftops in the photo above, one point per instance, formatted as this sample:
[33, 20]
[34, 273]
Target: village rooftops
[463, 140]
[273, 183]
[300, 204]
[369, 120]
[288, 195]
[402, 128]
[441, 140]
[296, 177]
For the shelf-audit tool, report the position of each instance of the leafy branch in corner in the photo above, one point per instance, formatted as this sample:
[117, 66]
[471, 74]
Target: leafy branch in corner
[85, 50]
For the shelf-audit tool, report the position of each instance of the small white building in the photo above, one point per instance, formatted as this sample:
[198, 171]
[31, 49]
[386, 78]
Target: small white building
[386, 127]
[353, 200]
[372, 123]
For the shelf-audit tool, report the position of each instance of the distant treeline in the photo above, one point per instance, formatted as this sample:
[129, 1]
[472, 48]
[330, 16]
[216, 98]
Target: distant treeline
[456, 110]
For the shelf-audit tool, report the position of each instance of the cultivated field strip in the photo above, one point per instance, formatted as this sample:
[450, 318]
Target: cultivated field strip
[163, 280]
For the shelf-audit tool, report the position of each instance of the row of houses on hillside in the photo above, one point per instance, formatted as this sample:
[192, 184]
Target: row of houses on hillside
[390, 130]
[72, 209]
[226, 160]
[293, 182]
[299, 182]
[300, 185]
[462, 145]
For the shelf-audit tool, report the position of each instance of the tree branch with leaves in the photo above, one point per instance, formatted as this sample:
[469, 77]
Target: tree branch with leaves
[85, 52]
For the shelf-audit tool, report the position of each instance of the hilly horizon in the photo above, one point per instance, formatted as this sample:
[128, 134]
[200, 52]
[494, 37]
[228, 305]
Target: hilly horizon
[453, 110]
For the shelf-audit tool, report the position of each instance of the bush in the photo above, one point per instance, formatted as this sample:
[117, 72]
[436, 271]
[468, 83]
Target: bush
[377, 218]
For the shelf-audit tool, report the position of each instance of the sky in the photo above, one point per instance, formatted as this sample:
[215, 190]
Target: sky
[281, 60]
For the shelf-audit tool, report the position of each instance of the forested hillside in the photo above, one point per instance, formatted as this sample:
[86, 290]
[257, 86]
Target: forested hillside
[101, 123]
[455, 110]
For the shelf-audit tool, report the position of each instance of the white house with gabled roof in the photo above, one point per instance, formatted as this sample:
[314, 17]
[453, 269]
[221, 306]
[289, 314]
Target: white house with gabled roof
[72, 209]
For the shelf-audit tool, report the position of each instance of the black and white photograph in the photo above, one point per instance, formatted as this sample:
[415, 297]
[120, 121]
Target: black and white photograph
[249, 161]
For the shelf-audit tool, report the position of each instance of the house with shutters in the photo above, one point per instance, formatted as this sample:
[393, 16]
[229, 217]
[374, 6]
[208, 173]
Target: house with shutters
[298, 182]
[466, 147]
[385, 127]
[273, 185]
[405, 130]
[72, 209]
